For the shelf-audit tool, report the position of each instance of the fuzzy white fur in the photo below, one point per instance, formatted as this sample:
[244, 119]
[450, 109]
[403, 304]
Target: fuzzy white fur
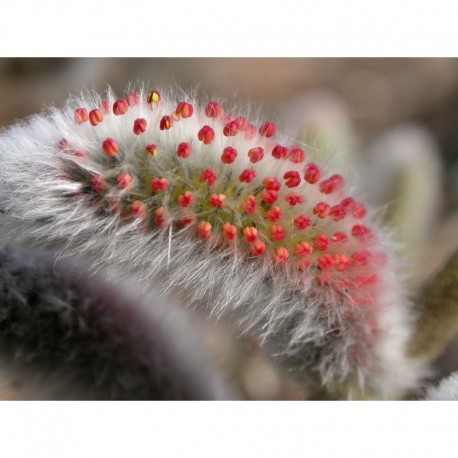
[447, 390]
[292, 317]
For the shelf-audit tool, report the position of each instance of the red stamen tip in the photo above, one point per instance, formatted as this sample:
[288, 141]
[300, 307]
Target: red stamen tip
[125, 181]
[229, 231]
[217, 200]
[293, 179]
[159, 184]
[184, 150]
[95, 117]
[256, 154]
[247, 176]
[229, 155]
[268, 129]
[166, 122]
[140, 126]
[208, 176]
[231, 129]
[184, 110]
[186, 199]
[81, 115]
[206, 135]
[110, 147]
[204, 230]
[99, 184]
[214, 110]
[250, 234]
[120, 107]
[312, 173]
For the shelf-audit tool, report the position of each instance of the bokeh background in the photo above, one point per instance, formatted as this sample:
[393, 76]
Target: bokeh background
[394, 122]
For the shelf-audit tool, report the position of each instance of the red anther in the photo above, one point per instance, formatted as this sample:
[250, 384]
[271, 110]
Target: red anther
[105, 107]
[160, 217]
[159, 184]
[297, 155]
[268, 129]
[204, 230]
[293, 179]
[326, 262]
[271, 184]
[133, 99]
[337, 212]
[274, 214]
[303, 249]
[258, 248]
[64, 144]
[280, 152]
[341, 262]
[140, 125]
[186, 199]
[303, 264]
[184, 150]
[81, 115]
[153, 97]
[242, 122]
[250, 234]
[151, 150]
[339, 237]
[188, 219]
[277, 233]
[311, 173]
[321, 210]
[166, 122]
[247, 176]
[184, 110]
[229, 155]
[327, 186]
[348, 203]
[321, 242]
[249, 205]
[250, 132]
[229, 231]
[96, 117]
[256, 154]
[99, 184]
[125, 181]
[361, 258]
[302, 222]
[281, 255]
[208, 176]
[231, 129]
[359, 210]
[360, 232]
[293, 198]
[217, 200]
[206, 135]
[120, 107]
[110, 147]
[331, 184]
[214, 110]
[269, 196]
[138, 209]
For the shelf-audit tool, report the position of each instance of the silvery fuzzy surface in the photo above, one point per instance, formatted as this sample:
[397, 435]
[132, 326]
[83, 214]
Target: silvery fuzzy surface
[67, 335]
[304, 328]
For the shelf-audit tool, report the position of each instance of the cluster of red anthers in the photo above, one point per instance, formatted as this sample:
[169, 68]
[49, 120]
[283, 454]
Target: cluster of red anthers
[265, 219]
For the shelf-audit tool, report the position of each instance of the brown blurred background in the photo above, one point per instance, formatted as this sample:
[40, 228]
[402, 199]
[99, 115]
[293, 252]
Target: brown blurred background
[396, 121]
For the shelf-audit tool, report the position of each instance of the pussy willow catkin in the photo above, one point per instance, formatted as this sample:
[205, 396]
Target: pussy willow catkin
[250, 226]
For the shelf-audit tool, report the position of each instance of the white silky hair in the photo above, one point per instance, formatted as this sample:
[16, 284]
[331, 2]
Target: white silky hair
[446, 390]
[293, 318]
